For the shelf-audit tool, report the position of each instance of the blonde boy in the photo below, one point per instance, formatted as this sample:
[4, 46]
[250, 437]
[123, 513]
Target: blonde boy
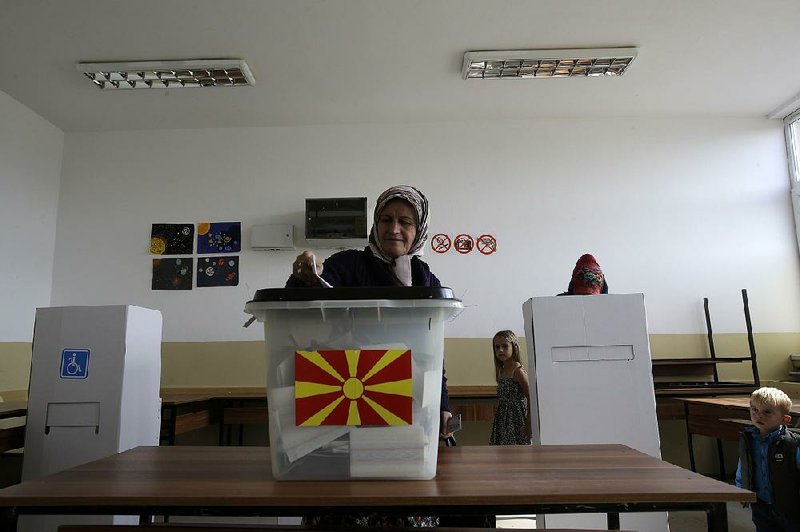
[769, 462]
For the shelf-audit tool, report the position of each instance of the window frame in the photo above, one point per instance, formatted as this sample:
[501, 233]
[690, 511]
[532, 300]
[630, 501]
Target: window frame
[791, 131]
[793, 146]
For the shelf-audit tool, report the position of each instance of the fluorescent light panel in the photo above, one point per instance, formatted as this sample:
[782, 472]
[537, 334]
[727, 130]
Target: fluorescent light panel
[567, 63]
[169, 74]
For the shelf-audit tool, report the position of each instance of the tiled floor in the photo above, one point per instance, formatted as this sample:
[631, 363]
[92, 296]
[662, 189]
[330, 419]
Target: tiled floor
[738, 521]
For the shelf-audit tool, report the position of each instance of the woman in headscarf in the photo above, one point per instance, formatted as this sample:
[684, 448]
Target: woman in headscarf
[398, 237]
[587, 278]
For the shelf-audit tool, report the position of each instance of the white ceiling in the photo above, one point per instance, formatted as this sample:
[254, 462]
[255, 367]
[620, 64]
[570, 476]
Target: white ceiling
[389, 61]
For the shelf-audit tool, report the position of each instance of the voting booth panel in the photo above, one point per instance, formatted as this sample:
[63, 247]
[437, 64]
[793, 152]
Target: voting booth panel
[592, 382]
[94, 391]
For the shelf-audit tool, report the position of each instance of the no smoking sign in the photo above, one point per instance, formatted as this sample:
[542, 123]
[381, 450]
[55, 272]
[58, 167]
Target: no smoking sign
[487, 244]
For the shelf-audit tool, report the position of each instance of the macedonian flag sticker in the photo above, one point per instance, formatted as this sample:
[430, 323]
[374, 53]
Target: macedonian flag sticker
[353, 387]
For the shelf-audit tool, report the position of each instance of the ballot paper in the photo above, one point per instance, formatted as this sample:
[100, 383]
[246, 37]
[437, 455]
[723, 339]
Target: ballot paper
[387, 452]
[297, 442]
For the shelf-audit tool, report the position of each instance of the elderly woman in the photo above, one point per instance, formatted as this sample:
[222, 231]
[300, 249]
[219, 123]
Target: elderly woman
[397, 239]
[398, 236]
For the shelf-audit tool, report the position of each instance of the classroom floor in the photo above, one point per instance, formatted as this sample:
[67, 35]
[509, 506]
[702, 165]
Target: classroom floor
[738, 521]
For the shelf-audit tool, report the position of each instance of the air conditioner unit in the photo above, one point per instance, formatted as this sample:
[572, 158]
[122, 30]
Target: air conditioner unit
[272, 237]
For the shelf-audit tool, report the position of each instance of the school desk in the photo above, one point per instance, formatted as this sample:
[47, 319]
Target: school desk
[717, 417]
[187, 409]
[12, 437]
[497, 480]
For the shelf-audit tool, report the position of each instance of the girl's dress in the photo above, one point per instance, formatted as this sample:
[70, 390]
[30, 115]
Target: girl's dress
[510, 414]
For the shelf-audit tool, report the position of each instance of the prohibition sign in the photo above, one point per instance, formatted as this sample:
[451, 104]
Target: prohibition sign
[463, 244]
[487, 244]
[440, 243]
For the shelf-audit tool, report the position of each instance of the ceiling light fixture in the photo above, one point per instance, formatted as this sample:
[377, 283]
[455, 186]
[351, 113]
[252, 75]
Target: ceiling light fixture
[566, 63]
[169, 74]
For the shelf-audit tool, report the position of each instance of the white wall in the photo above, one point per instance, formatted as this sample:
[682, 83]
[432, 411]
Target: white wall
[30, 169]
[678, 209]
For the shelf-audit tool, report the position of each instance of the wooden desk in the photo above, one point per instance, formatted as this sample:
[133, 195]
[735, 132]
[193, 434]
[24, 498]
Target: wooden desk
[504, 480]
[182, 410]
[187, 409]
[474, 403]
[173, 422]
[16, 409]
[12, 437]
[713, 417]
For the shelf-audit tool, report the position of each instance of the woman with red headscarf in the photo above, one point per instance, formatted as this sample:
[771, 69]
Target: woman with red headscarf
[587, 278]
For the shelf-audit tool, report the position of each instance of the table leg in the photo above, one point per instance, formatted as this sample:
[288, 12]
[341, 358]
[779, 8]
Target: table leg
[241, 428]
[8, 519]
[173, 421]
[221, 403]
[689, 437]
[613, 520]
[721, 456]
[717, 517]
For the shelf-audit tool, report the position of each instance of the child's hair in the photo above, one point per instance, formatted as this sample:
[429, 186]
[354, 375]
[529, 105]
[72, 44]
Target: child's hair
[772, 397]
[512, 339]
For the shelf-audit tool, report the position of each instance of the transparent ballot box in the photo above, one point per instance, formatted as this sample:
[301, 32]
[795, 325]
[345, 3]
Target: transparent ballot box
[354, 380]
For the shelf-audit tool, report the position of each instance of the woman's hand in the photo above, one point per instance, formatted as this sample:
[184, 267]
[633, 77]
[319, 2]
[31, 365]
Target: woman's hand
[307, 267]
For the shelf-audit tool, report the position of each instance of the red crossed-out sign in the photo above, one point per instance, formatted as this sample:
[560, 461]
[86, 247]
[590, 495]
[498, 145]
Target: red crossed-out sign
[487, 244]
[463, 243]
[441, 243]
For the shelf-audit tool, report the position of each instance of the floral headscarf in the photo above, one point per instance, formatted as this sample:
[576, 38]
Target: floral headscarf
[420, 204]
[402, 265]
[587, 277]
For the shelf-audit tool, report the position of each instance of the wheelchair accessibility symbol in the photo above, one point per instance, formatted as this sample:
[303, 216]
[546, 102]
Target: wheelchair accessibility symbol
[74, 363]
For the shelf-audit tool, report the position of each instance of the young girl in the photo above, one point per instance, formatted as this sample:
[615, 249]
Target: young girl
[512, 417]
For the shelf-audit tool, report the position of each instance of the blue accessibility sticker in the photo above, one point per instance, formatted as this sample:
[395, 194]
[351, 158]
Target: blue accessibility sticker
[74, 363]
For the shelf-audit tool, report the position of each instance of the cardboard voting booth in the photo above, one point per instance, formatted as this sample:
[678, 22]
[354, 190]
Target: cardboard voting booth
[354, 379]
[592, 382]
[94, 392]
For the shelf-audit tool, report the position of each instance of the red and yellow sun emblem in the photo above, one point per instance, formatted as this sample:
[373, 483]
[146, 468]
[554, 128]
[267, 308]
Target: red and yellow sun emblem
[353, 387]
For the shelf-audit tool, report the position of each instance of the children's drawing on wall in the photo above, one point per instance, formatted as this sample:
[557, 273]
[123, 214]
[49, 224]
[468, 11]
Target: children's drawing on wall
[217, 271]
[219, 237]
[172, 274]
[171, 239]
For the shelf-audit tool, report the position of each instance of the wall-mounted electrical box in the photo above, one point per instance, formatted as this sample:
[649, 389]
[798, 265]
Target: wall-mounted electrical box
[336, 222]
[275, 237]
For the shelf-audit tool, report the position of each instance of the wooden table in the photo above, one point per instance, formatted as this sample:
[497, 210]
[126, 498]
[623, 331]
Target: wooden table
[15, 409]
[709, 416]
[12, 437]
[507, 480]
[187, 409]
